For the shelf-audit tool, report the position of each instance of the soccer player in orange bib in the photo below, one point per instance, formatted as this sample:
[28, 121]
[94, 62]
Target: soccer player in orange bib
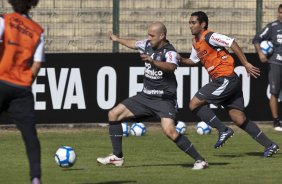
[209, 48]
[22, 43]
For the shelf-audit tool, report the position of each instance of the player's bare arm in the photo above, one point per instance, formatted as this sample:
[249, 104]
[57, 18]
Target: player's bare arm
[130, 43]
[186, 61]
[35, 69]
[164, 66]
[252, 70]
[261, 55]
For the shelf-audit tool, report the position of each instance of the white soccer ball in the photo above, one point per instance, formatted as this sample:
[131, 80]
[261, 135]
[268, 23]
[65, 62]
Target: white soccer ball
[125, 129]
[266, 47]
[137, 129]
[65, 156]
[180, 127]
[203, 128]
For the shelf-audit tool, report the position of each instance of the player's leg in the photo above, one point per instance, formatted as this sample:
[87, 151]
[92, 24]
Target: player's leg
[115, 132]
[214, 92]
[129, 108]
[239, 118]
[166, 109]
[202, 110]
[22, 112]
[183, 143]
[274, 78]
[115, 116]
[273, 103]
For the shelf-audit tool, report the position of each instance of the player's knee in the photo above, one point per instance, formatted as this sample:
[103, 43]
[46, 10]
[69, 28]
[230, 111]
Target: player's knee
[192, 106]
[112, 116]
[239, 119]
[171, 134]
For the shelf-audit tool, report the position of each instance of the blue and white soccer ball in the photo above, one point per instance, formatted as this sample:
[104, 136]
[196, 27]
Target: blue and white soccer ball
[203, 128]
[266, 47]
[125, 129]
[180, 127]
[65, 156]
[138, 129]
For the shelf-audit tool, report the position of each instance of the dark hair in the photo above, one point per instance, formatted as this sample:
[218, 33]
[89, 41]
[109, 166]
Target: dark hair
[280, 7]
[23, 6]
[202, 17]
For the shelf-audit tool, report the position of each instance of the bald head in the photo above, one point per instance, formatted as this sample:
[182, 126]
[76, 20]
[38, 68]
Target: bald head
[157, 34]
[159, 27]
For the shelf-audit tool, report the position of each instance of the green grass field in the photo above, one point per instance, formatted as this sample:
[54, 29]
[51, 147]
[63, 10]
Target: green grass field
[149, 159]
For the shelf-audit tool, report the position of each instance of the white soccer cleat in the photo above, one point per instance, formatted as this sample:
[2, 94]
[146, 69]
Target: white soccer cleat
[278, 128]
[111, 160]
[200, 164]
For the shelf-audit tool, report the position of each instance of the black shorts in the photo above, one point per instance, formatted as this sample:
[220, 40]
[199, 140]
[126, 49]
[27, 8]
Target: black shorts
[225, 91]
[142, 105]
[18, 102]
[274, 78]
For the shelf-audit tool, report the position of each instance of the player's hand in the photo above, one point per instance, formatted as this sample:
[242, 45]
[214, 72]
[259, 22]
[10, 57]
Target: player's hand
[252, 70]
[262, 57]
[146, 58]
[113, 37]
[179, 58]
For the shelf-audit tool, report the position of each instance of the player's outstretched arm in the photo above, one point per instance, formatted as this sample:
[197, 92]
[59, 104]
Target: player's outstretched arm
[130, 43]
[186, 61]
[252, 70]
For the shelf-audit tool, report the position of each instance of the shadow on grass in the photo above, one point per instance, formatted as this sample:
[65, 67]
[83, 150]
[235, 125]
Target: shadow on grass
[255, 154]
[73, 169]
[182, 165]
[111, 182]
[260, 154]
[232, 155]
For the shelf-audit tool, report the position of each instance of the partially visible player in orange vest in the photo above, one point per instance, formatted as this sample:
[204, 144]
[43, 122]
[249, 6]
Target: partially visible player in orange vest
[209, 48]
[22, 52]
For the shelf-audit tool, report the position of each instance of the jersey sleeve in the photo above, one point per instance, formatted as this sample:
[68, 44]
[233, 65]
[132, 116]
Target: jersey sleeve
[171, 57]
[220, 40]
[140, 45]
[264, 34]
[194, 56]
[1, 28]
[39, 52]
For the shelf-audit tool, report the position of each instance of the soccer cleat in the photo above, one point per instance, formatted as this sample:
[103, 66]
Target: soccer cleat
[200, 164]
[111, 160]
[35, 181]
[277, 126]
[273, 149]
[223, 136]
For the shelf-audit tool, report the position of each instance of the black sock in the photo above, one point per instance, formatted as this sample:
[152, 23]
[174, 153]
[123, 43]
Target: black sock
[253, 130]
[208, 116]
[33, 149]
[115, 132]
[185, 145]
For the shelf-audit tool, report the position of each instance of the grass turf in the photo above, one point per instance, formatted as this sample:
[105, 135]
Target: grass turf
[149, 159]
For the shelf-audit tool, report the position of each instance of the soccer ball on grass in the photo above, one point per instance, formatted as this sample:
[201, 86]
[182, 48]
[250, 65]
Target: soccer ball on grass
[65, 156]
[138, 129]
[203, 128]
[180, 127]
[125, 129]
